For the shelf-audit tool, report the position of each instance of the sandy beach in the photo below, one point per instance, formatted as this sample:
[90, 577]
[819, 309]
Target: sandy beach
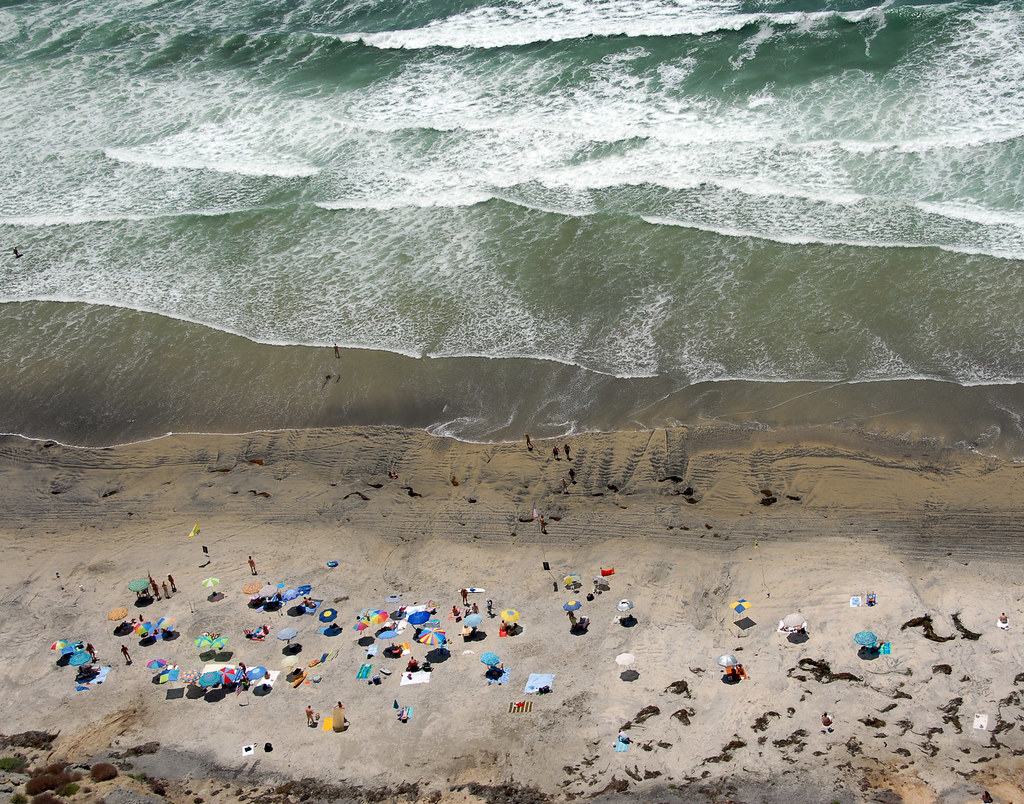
[679, 514]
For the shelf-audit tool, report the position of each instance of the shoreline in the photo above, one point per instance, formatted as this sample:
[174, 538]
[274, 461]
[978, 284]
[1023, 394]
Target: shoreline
[931, 530]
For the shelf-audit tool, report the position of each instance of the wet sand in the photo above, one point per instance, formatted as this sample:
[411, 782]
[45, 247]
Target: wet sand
[678, 513]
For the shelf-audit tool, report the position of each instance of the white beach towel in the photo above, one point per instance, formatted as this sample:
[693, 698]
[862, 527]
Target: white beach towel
[538, 680]
[421, 677]
[981, 722]
[1004, 626]
[273, 677]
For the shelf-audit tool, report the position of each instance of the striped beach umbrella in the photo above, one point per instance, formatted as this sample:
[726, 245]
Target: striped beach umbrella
[166, 623]
[144, 628]
[433, 637]
[362, 625]
[139, 584]
[205, 642]
[156, 664]
[60, 644]
[210, 582]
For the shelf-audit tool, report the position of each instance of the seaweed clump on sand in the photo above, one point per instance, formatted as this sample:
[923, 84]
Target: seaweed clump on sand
[822, 672]
[925, 624]
[964, 632]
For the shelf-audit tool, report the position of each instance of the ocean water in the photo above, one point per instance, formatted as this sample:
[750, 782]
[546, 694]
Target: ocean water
[544, 215]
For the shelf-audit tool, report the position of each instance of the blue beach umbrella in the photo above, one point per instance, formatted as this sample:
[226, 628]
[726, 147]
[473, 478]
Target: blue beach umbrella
[254, 673]
[290, 594]
[328, 615]
[419, 617]
[572, 605]
[473, 620]
[211, 679]
[490, 659]
[287, 634]
[390, 634]
[865, 638]
[79, 657]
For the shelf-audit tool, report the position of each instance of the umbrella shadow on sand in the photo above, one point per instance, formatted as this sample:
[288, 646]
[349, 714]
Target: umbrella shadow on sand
[744, 623]
[627, 621]
[365, 641]
[797, 639]
[629, 675]
[142, 602]
[438, 655]
[122, 630]
[296, 611]
[291, 649]
[214, 695]
[192, 692]
[868, 654]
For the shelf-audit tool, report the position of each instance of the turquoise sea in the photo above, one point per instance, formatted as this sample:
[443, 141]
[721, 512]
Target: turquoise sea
[543, 215]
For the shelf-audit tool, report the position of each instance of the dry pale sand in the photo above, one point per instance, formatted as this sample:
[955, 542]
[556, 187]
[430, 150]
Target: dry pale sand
[930, 531]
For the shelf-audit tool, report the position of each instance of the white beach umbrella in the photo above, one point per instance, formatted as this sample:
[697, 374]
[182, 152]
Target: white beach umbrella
[625, 659]
[624, 605]
[728, 660]
[794, 620]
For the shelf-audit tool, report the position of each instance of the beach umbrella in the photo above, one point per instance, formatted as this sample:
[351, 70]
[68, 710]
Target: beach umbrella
[166, 623]
[79, 657]
[572, 605]
[741, 606]
[510, 615]
[362, 625]
[252, 587]
[572, 578]
[490, 659]
[328, 615]
[139, 585]
[393, 600]
[625, 659]
[289, 594]
[204, 642]
[117, 614]
[624, 605]
[143, 629]
[254, 673]
[156, 664]
[390, 633]
[728, 660]
[865, 638]
[433, 637]
[189, 677]
[287, 634]
[794, 620]
[219, 643]
[211, 679]
[473, 620]
[211, 582]
[227, 675]
[419, 617]
[60, 644]
[378, 617]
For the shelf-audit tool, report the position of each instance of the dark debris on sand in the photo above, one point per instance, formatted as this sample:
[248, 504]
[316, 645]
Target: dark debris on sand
[39, 740]
[925, 623]
[821, 671]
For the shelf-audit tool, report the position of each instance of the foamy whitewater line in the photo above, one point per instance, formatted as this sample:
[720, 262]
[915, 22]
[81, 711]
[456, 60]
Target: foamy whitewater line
[281, 169]
[562, 20]
[810, 240]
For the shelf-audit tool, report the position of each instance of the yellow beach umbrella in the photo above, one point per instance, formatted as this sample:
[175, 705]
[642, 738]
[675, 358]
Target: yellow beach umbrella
[510, 615]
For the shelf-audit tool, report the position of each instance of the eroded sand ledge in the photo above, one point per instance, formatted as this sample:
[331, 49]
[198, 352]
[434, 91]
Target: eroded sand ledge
[930, 531]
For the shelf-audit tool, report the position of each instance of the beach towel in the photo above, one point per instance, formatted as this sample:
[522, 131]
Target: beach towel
[364, 671]
[506, 674]
[432, 624]
[273, 677]
[328, 724]
[420, 677]
[538, 680]
[981, 722]
[313, 608]
[100, 677]
[406, 650]
[303, 590]
[371, 651]
[855, 601]
[886, 648]
[518, 707]
[621, 746]
[1004, 626]
[405, 713]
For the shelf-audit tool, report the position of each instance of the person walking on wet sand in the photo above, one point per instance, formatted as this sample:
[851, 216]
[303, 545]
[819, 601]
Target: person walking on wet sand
[565, 487]
[543, 525]
[16, 253]
[252, 566]
[127, 656]
[554, 453]
[529, 443]
[566, 449]
[337, 351]
[170, 580]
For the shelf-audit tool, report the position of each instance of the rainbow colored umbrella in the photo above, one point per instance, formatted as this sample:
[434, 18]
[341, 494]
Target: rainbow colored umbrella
[166, 623]
[60, 644]
[433, 637]
[156, 664]
[362, 625]
[189, 676]
[143, 629]
[378, 617]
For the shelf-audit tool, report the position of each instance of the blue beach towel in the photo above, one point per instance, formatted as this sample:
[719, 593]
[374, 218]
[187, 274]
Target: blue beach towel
[364, 671]
[886, 648]
[506, 674]
[538, 680]
[621, 746]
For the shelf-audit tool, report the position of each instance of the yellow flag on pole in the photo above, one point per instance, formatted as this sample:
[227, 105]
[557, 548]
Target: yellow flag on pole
[195, 531]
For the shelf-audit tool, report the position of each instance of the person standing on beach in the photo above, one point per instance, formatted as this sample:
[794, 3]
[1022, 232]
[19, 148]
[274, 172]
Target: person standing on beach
[127, 656]
[163, 585]
[543, 525]
[252, 566]
[156, 589]
[91, 651]
[572, 475]
[170, 580]
[310, 716]
[572, 619]
[337, 351]
[529, 444]
[565, 487]
[566, 448]
[554, 452]
[465, 596]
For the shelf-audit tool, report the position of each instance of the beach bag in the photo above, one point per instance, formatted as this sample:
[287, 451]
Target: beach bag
[268, 747]
[608, 571]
